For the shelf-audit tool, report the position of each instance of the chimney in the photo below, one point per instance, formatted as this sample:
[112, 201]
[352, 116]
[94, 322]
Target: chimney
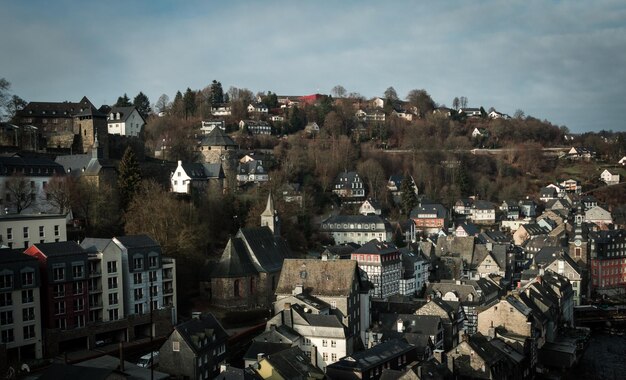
[314, 355]
[122, 357]
[297, 290]
[259, 356]
[400, 325]
[438, 355]
[287, 306]
[223, 367]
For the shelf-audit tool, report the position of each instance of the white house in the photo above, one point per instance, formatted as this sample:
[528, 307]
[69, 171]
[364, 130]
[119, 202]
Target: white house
[598, 215]
[208, 126]
[257, 108]
[21, 230]
[378, 103]
[483, 212]
[196, 176]
[221, 110]
[609, 178]
[125, 121]
[369, 207]
[622, 161]
[498, 115]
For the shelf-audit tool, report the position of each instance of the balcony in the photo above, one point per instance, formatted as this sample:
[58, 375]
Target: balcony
[95, 273]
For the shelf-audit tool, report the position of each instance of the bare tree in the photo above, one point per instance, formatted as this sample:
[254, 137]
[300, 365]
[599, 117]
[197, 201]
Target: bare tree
[162, 103]
[59, 193]
[391, 94]
[21, 192]
[374, 174]
[338, 91]
[463, 102]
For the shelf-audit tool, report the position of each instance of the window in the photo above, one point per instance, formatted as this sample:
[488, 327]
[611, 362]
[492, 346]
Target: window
[79, 320]
[333, 343]
[325, 356]
[56, 230]
[58, 274]
[78, 270]
[153, 261]
[41, 232]
[153, 276]
[113, 314]
[59, 308]
[333, 304]
[9, 230]
[111, 266]
[113, 299]
[138, 294]
[138, 263]
[7, 336]
[79, 304]
[324, 343]
[137, 278]
[58, 291]
[6, 281]
[6, 317]
[60, 323]
[25, 232]
[27, 296]
[112, 282]
[138, 308]
[6, 299]
[29, 331]
[28, 314]
[175, 346]
[154, 291]
[333, 357]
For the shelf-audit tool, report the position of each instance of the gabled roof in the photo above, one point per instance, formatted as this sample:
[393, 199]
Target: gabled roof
[139, 244]
[124, 112]
[426, 210]
[9, 255]
[317, 277]
[29, 166]
[292, 363]
[203, 171]
[54, 109]
[375, 247]
[62, 248]
[372, 357]
[194, 330]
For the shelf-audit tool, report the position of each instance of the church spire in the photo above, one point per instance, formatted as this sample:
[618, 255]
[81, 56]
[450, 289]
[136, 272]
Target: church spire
[269, 217]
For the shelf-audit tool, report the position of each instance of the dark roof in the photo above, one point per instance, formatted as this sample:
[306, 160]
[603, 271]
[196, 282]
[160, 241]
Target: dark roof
[376, 247]
[93, 245]
[217, 137]
[137, 241]
[380, 353]
[293, 363]
[483, 205]
[322, 320]
[205, 325]
[346, 179]
[124, 113]
[54, 109]
[62, 248]
[65, 371]
[9, 255]
[429, 209]
[251, 251]
[30, 166]
[265, 348]
[203, 171]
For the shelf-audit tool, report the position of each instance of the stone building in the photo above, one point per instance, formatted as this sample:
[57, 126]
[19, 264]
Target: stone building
[248, 271]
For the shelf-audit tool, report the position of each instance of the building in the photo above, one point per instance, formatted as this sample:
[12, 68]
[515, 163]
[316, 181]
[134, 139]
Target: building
[216, 146]
[370, 207]
[249, 269]
[430, 218]
[476, 358]
[292, 363]
[349, 188]
[608, 261]
[22, 230]
[336, 283]
[383, 265]
[90, 167]
[599, 216]
[20, 307]
[197, 178]
[23, 182]
[452, 318]
[483, 212]
[370, 363]
[196, 349]
[252, 172]
[254, 127]
[125, 121]
[208, 126]
[359, 229]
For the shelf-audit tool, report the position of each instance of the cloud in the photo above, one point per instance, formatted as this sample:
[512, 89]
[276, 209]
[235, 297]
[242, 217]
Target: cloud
[560, 61]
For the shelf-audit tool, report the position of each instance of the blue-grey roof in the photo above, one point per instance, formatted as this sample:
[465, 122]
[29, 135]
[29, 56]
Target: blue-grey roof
[372, 357]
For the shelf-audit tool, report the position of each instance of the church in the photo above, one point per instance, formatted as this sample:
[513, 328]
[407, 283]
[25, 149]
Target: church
[247, 274]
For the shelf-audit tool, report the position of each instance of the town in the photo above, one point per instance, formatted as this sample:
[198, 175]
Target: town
[227, 235]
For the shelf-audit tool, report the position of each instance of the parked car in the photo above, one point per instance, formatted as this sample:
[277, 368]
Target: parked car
[149, 360]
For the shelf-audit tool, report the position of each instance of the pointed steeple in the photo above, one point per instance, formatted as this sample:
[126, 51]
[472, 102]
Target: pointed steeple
[269, 217]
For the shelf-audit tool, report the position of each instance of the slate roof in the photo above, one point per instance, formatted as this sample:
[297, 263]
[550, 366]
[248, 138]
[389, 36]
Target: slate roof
[62, 248]
[266, 348]
[206, 324]
[125, 112]
[251, 251]
[9, 255]
[278, 334]
[483, 205]
[29, 166]
[94, 245]
[372, 357]
[139, 243]
[292, 363]
[375, 247]
[340, 220]
[252, 167]
[534, 229]
[347, 178]
[318, 278]
[65, 371]
[217, 137]
[54, 109]
[415, 324]
[427, 209]
[203, 171]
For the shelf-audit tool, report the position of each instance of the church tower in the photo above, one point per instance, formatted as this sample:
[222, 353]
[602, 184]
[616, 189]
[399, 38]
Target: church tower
[269, 217]
[579, 243]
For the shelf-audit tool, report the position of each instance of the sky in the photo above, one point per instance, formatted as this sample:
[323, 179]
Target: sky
[560, 61]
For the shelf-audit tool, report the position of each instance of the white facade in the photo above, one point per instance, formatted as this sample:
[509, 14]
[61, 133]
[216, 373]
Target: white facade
[23, 230]
[609, 178]
[180, 181]
[125, 125]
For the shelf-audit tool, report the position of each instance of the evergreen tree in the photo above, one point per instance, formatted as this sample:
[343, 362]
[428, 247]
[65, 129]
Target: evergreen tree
[178, 108]
[123, 101]
[189, 101]
[142, 103]
[217, 93]
[408, 198]
[129, 177]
